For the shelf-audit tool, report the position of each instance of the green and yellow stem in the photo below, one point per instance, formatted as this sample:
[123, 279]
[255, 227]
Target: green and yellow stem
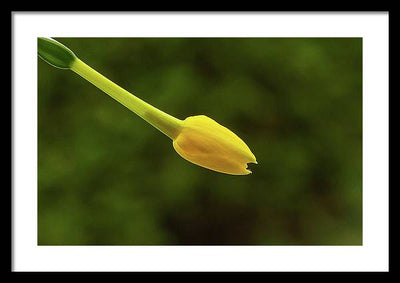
[60, 56]
[166, 123]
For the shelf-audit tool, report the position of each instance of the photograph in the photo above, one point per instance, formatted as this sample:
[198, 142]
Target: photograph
[199, 141]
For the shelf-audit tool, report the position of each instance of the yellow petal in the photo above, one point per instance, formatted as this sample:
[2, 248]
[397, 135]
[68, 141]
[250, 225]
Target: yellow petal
[206, 143]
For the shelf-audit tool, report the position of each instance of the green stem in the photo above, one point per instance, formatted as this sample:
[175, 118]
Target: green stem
[164, 122]
[60, 56]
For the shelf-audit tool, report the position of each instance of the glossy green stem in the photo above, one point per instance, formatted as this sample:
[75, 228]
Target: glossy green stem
[166, 123]
[59, 56]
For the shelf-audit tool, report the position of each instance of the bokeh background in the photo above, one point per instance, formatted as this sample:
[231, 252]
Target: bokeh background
[106, 177]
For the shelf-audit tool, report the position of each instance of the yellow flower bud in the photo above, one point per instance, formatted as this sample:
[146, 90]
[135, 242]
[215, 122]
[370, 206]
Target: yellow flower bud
[206, 143]
[198, 139]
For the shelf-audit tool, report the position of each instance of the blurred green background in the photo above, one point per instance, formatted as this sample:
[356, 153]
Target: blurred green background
[106, 177]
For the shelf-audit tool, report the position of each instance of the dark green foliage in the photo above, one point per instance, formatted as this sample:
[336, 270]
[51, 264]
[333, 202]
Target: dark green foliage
[106, 177]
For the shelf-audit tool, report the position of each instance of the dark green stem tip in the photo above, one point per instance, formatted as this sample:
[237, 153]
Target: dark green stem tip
[55, 53]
